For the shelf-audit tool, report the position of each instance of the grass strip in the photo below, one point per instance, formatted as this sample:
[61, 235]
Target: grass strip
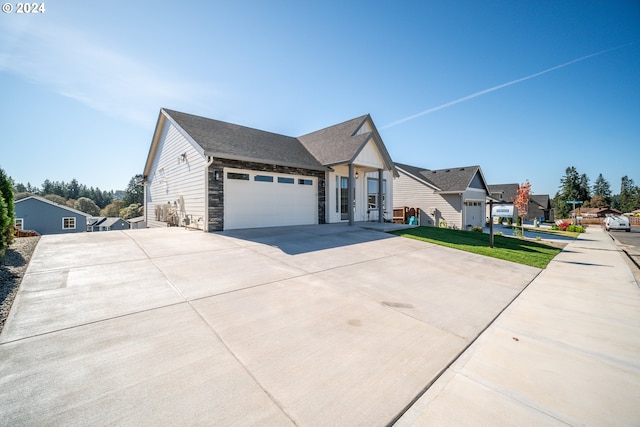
[522, 251]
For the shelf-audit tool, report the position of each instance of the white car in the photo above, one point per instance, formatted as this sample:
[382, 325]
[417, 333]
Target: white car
[615, 222]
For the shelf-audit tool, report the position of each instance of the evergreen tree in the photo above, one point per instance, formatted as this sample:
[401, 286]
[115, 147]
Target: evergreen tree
[134, 194]
[572, 187]
[602, 188]
[7, 213]
[629, 195]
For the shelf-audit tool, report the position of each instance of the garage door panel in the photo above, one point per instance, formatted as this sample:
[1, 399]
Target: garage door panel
[267, 201]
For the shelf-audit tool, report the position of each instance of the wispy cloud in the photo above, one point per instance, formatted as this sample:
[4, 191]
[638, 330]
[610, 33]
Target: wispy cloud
[70, 63]
[501, 86]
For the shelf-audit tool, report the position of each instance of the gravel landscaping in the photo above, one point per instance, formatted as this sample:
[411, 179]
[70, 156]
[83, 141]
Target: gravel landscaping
[12, 268]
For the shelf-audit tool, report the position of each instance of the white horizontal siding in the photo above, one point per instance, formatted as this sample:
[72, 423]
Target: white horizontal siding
[172, 179]
[408, 191]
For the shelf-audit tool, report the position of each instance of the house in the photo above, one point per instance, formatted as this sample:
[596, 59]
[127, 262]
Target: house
[137, 222]
[213, 175]
[505, 193]
[595, 212]
[107, 224]
[46, 217]
[453, 198]
[539, 207]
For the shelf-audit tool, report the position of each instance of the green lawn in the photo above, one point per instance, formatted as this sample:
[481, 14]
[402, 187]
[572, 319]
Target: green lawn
[512, 249]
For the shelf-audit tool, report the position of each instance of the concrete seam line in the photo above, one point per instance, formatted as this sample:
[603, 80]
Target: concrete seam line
[454, 359]
[133, 313]
[249, 373]
[174, 287]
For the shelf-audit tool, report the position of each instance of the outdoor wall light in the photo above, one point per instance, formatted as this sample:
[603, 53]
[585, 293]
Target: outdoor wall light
[216, 175]
[182, 157]
[357, 175]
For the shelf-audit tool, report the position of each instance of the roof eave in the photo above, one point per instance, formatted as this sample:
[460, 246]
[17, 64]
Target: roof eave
[318, 167]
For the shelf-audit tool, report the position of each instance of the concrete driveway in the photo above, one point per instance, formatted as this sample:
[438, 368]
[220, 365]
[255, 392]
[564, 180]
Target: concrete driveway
[315, 325]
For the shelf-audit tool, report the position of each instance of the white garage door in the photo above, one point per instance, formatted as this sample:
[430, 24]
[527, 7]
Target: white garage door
[474, 213]
[261, 199]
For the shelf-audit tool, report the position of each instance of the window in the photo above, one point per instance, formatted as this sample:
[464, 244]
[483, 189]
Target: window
[283, 180]
[305, 182]
[69, 223]
[263, 178]
[19, 223]
[372, 193]
[240, 176]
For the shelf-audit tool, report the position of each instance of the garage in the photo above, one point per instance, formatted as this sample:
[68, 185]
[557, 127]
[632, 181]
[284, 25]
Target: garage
[255, 199]
[474, 213]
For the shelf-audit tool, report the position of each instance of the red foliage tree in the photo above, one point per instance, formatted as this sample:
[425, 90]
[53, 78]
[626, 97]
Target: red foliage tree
[522, 201]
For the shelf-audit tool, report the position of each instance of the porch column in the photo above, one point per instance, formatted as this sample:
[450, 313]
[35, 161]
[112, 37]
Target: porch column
[380, 193]
[350, 191]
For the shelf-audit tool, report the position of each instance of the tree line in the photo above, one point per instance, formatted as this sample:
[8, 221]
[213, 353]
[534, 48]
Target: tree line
[576, 186]
[90, 200]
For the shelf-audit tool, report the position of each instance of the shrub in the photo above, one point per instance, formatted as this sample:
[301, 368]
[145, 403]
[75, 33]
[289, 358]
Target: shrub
[5, 224]
[575, 228]
[499, 233]
[477, 229]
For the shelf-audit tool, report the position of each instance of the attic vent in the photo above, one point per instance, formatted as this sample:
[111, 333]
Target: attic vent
[461, 169]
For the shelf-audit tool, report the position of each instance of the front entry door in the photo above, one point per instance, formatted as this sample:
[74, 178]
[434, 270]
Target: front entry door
[344, 198]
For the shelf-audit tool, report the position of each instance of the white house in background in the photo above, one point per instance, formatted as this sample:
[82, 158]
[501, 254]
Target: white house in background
[453, 198]
[214, 175]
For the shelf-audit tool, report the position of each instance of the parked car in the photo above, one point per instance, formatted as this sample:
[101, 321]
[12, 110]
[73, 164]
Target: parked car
[615, 222]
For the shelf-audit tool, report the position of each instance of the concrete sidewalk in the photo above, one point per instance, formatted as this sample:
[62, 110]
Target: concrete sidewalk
[566, 352]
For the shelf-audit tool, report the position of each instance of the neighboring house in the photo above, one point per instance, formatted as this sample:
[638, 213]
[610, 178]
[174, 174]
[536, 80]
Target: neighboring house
[540, 207]
[46, 217]
[107, 224]
[504, 193]
[595, 212]
[453, 198]
[137, 222]
[214, 175]
[539, 204]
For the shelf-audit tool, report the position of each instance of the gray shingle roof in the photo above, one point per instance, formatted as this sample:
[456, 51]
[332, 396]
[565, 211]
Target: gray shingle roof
[504, 192]
[540, 199]
[336, 144]
[446, 180]
[228, 140]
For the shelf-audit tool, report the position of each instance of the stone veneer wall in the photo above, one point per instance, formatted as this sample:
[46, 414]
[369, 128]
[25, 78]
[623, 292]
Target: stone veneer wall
[216, 188]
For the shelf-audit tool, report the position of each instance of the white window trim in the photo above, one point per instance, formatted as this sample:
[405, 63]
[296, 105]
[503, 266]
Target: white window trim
[15, 223]
[74, 223]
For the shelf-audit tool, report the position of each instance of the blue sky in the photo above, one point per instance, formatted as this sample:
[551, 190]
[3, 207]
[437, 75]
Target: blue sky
[523, 89]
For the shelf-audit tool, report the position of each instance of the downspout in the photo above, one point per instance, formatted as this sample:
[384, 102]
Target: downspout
[145, 184]
[206, 193]
[350, 193]
[380, 193]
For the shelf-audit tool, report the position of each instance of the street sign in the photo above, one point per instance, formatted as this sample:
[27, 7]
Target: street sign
[573, 202]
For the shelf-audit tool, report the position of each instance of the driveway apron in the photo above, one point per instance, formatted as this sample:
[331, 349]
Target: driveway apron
[313, 325]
